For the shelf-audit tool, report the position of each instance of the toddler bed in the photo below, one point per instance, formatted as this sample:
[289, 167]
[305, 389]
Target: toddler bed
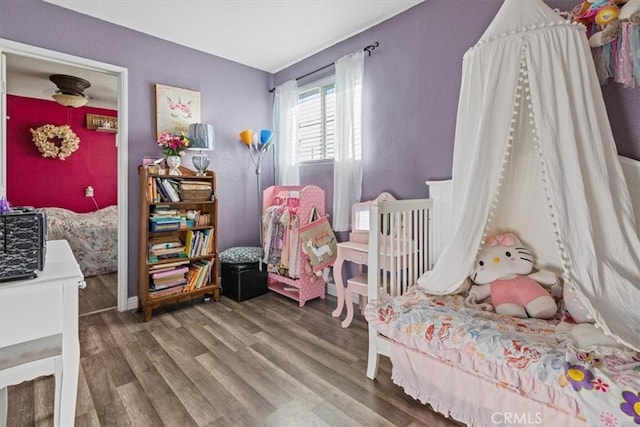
[93, 237]
[479, 367]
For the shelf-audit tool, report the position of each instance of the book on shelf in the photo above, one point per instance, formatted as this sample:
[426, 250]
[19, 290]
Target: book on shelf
[169, 251]
[158, 258]
[174, 196]
[161, 193]
[165, 242]
[157, 226]
[198, 274]
[167, 265]
[199, 242]
[165, 247]
[164, 218]
[151, 195]
[169, 272]
[157, 285]
[166, 291]
[195, 185]
[163, 210]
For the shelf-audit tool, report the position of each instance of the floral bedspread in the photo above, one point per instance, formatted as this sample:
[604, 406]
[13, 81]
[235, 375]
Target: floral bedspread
[532, 357]
[93, 237]
[607, 387]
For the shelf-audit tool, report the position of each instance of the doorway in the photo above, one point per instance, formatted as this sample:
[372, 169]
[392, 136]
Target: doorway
[9, 51]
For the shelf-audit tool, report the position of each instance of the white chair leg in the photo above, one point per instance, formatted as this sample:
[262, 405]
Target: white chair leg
[57, 394]
[69, 386]
[3, 407]
[374, 357]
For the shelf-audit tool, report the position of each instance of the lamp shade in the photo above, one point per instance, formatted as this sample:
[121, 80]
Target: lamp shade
[265, 136]
[246, 136]
[201, 137]
[73, 101]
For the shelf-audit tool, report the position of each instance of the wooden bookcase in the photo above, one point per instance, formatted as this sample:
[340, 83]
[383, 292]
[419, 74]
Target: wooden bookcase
[201, 262]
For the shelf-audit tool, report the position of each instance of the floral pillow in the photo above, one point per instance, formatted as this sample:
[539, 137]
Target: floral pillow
[241, 255]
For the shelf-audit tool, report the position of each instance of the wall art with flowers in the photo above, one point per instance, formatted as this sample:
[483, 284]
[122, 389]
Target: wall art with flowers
[176, 109]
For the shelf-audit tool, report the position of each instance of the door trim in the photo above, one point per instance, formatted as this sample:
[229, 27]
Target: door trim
[121, 73]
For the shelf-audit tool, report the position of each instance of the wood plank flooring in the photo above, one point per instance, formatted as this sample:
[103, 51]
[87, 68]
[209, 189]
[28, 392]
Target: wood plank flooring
[101, 293]
[262, 362]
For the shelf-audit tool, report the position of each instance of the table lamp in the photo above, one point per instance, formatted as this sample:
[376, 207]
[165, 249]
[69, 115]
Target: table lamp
[201, 138]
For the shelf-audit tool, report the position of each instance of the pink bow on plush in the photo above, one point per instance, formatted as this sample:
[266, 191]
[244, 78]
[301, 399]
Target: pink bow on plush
[502, 240]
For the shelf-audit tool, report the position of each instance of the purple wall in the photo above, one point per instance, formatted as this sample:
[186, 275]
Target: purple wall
[234, 97]
[412, 84]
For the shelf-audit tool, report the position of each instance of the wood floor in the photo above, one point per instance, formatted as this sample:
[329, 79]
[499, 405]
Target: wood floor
[262, 362]
[101, 293]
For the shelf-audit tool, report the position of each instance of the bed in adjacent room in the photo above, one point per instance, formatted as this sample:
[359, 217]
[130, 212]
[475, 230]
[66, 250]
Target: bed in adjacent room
[93, 237]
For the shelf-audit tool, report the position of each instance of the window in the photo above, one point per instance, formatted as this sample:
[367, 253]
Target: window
[317, 121]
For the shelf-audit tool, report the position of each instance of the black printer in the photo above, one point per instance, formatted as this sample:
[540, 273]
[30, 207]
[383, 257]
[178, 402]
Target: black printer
[23, 237]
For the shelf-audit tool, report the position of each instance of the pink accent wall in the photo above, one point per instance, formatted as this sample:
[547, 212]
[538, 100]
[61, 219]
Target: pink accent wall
[33, 180]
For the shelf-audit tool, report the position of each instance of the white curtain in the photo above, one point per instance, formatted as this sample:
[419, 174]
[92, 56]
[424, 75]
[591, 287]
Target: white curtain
[285, 126]
[347, 172]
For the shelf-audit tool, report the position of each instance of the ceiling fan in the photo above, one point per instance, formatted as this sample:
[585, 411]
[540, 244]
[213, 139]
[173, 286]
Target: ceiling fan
[70, 91]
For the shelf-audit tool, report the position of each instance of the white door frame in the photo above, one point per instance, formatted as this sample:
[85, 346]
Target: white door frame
[15, 48]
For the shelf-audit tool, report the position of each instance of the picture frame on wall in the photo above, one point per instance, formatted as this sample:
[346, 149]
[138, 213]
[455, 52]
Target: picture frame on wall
[176, 109]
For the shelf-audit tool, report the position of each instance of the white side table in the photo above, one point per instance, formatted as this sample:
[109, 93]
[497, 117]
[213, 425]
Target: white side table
[39, 331]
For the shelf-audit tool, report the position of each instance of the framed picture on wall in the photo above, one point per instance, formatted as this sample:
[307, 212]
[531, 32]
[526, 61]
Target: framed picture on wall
[176, 109]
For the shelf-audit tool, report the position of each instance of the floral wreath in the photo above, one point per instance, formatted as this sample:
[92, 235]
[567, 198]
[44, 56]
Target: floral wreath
[42, 138]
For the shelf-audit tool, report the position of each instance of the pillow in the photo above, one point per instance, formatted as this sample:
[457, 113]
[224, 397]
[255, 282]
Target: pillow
[241, 255]
[576, 309]
[587, 337]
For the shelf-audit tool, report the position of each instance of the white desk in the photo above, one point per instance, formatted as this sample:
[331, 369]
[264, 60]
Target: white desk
[39, 330]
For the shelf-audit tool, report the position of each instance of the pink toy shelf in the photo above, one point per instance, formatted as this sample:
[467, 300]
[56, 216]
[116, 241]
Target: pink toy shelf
[308, 286]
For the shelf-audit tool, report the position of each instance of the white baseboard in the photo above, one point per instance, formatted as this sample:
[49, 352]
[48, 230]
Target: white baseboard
[331, 290]
[132, 303]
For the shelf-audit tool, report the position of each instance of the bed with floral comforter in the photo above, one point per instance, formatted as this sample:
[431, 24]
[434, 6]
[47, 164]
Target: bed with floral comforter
[532, 357]
[93, 237]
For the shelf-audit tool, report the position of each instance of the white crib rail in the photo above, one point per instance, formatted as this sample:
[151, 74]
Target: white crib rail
[398, 255]
[399, 250]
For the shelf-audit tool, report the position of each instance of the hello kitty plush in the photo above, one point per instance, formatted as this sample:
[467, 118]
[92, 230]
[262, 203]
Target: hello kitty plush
[502, 269]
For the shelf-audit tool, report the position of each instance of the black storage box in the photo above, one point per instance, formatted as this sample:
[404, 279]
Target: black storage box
[23, 236]
[241, 282]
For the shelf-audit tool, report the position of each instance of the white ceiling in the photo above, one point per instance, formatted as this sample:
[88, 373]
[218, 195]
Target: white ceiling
[29, 77]
[265, 34]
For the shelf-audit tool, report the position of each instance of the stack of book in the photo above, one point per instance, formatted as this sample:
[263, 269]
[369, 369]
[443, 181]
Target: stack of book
[167, 279]
[198, 274]
[165, 248]
[163, 218]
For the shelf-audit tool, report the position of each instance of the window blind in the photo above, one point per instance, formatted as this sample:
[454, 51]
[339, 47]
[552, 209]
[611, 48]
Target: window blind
[316, 122]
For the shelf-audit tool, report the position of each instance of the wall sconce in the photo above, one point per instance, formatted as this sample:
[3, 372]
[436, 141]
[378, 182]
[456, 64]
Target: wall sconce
[201, 138]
